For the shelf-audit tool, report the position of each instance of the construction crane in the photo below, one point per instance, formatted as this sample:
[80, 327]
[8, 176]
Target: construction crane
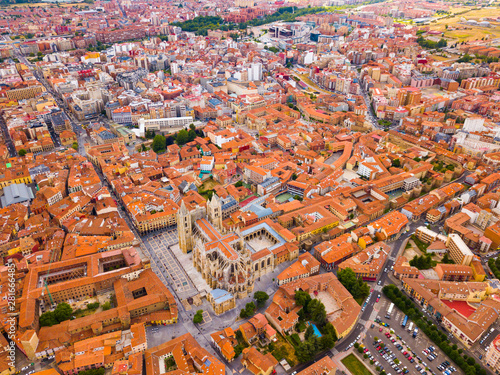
[52, 256]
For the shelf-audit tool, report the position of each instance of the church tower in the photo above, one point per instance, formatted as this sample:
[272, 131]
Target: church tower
[184, 229]
[215, 212]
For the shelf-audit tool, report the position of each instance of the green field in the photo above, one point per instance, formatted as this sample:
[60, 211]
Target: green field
[355, 366]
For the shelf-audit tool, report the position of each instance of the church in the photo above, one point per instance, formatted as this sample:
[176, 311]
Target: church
[229, 261]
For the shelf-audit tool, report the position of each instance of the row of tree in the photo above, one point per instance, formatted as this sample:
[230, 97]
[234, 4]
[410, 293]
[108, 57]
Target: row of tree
[494, 265]
[62, 312]
[467, 364]
[160, 142]
[93, 371]
[201, 24]
[423, 262]
[430, 44]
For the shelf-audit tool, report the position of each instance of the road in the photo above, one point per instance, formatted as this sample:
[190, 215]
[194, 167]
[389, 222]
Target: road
[368, 314]
[8, 139]
[385, 278]
[370, 115]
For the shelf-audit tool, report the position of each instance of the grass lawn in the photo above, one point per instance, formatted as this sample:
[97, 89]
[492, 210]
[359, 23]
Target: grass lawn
[208, 184]
[467, 32]
[421, 245]
[360, 301]
[283, 349]
[355, 366]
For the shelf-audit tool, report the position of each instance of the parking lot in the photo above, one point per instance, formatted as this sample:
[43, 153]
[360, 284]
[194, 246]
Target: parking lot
[414, 347]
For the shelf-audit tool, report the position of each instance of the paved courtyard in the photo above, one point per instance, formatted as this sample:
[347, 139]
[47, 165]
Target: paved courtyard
[176, 270]
[168, 264]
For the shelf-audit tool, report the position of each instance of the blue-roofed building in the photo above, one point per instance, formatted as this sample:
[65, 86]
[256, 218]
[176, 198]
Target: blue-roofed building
[106, 136]
[16, 193]
[214, 102]
[261, 212]
[221, 300]
[38, 170]
[228, 205]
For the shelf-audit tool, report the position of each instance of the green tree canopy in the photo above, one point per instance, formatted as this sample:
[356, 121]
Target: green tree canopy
[357, 287]
[198, 317]
[158, 144]
[261, 298]
[63, 312]
[182, 137]
[302, 298]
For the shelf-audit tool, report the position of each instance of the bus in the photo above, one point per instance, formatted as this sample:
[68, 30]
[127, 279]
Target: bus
[389, 311]
[410, 327]
[405, 320]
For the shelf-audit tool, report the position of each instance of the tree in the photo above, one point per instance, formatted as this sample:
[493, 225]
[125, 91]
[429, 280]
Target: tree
[150, 134]
[238, 184]
[317, 311]
[250, 308]
[158, 144]
[22, 152]
[423, 262]
[192, 127]
[309, 332]
[106, 306]
[357, 287]
[75, 145]
[302, 298]
[63, 312]
[396, 163]
[47, 319]
[191, 135]
[261, 298]
[182, 137]
[198, 317]
[294, 176]
[327, 341]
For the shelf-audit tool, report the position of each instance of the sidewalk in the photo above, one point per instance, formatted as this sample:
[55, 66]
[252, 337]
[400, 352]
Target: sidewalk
[339, 357]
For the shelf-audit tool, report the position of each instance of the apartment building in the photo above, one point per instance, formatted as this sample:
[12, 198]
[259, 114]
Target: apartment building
[443, 298]
[454, 272]
[369, 263]
[492, 357]
[458, 250]
[403, 270]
